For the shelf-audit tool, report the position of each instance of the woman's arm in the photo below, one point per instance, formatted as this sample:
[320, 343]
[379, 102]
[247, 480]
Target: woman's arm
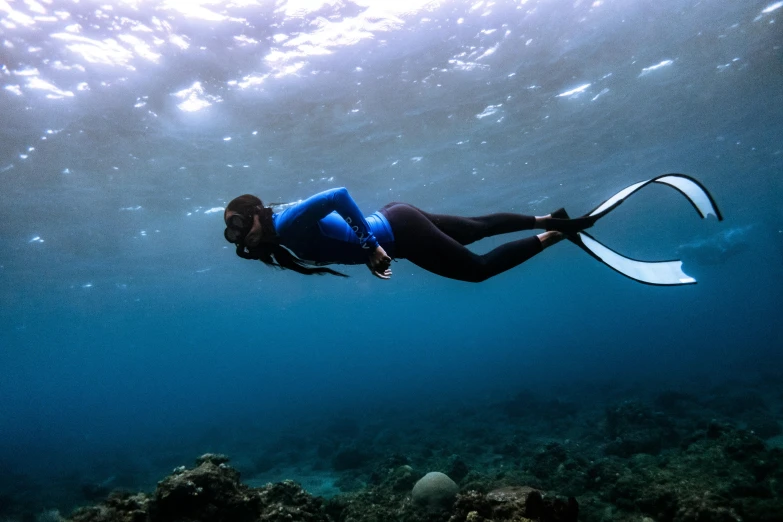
[320, 205]
[317, 207]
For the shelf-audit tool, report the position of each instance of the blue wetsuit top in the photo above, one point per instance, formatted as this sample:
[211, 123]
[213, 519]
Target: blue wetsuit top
[329, 228]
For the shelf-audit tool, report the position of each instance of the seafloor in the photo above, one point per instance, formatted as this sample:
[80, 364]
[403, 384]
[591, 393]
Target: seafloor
[608, 453]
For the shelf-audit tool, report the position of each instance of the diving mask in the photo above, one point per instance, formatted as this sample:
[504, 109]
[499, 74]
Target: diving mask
[237, 228]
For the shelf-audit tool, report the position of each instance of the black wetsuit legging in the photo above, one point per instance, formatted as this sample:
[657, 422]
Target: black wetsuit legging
[436, 242]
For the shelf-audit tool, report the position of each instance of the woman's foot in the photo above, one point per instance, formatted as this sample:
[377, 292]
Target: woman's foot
[560, 221]
[549, 238]
[543, 222]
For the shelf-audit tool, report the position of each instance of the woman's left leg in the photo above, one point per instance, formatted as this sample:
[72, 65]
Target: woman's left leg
[467, 230]
[421, 241]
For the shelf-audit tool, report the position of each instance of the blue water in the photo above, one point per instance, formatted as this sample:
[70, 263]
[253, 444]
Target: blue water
[130, 332]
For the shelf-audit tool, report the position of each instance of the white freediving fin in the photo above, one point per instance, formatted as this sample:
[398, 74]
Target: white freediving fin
[656, 272]
[664, 273]
[689, 187]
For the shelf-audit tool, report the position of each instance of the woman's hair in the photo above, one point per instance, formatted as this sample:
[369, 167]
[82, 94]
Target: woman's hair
[269, 252]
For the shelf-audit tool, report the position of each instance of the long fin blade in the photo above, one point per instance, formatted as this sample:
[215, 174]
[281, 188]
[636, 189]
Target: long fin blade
[618, 198]
[695, 192]
[664, 273]
[689, 187]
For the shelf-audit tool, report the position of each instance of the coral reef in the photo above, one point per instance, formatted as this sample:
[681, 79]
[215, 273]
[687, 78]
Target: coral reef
[622, 455]
[212, 492]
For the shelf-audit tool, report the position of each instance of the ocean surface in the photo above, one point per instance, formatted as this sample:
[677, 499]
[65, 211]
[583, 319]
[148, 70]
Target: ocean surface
[132, 339]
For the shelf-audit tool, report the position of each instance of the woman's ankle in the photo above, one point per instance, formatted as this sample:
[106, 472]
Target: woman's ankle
[549, 238]
[541, 221]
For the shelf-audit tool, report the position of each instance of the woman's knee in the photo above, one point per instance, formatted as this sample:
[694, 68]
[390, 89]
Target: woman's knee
[477, 277]
[474, 271]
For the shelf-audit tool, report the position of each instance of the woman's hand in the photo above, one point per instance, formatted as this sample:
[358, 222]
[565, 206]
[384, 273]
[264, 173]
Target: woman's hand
[379, 263]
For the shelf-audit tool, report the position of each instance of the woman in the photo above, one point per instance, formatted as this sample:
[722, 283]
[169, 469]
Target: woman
[328, 228]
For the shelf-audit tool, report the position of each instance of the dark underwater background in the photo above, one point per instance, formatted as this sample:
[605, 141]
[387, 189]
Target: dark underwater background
[132, 339]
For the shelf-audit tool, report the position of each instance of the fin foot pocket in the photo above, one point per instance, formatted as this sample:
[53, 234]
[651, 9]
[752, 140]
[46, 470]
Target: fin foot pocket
[570, 226]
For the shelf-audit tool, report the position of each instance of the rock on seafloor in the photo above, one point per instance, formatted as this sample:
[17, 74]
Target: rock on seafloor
[435, 491]
[210, 492]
